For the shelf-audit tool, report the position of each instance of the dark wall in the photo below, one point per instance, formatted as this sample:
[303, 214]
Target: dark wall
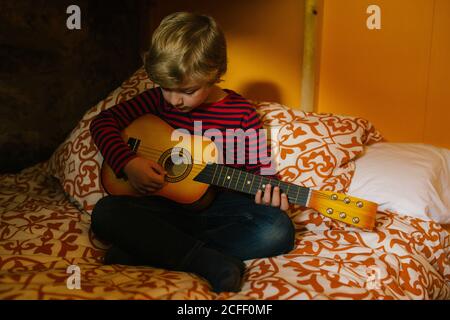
[50, 75]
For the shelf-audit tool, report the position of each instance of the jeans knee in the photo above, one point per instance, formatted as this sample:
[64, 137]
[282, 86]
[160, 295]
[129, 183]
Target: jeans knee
[102, 213]
[279, 237]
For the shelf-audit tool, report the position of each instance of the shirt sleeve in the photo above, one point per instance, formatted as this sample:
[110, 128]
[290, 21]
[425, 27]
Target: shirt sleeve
[257, 152]
[106, 127]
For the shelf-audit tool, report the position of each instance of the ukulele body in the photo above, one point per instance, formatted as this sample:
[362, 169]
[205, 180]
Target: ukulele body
[154, 139]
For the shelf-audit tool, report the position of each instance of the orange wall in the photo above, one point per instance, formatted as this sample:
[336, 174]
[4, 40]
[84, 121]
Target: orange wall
[437, 118]
[265, 44]
[396, 77]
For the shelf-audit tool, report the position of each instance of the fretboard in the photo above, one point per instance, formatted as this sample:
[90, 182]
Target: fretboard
[242, 181]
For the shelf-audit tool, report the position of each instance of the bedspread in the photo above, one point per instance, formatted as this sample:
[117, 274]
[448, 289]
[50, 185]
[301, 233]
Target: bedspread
[45, 241]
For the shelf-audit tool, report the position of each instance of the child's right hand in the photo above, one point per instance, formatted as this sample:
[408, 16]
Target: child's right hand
[145, 175]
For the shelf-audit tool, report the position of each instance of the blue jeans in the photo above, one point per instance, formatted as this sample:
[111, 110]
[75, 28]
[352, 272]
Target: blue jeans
[161, 233]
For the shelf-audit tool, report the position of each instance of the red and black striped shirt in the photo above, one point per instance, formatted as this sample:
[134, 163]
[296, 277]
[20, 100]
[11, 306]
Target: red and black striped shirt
[232, 112]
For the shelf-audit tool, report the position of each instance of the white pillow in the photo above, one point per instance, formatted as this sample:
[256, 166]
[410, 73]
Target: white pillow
[406, 178]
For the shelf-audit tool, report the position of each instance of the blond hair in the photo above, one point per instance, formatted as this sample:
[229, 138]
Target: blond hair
[186, 47]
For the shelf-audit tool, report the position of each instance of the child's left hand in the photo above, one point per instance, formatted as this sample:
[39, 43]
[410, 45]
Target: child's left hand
[272, 198]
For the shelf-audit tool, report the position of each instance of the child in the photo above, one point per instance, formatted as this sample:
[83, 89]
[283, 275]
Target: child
[187, 58]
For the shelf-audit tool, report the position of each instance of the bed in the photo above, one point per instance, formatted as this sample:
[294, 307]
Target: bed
[47, 250]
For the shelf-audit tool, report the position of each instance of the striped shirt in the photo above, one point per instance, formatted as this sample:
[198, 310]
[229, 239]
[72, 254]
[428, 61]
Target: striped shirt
[232, 112]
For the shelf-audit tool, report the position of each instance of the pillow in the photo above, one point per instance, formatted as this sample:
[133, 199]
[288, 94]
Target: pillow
[315, 150]
[406, 178]
[77, 162]
[309, 149]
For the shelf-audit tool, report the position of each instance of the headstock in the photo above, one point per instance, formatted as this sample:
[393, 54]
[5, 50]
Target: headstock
[351, 210]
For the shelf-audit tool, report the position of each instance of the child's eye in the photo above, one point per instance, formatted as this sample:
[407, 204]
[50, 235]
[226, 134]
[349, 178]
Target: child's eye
[185, 92]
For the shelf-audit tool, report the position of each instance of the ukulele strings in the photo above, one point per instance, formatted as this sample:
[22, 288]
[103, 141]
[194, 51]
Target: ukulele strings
[154, 154]
[197, 168]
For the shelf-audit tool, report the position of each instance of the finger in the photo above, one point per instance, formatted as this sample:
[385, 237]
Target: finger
[276, 197]
[267, 193]
[284, 202]
[154, 185]
[136, 187]
[141, 190]
[258, 197]
[162, 177]
[144, 188]
[153, 177]
[159, 169]
[151, 190]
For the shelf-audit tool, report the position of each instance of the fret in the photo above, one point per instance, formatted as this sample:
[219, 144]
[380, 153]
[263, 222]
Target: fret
[251, 184]
[214, 174]
[266, 181]
[271, 182]
[302, 195]
[306, 192]
[292, 195]
[274, 183]
[279, 186]
[284, 189]
[237, 181]
[220, 175]
[289, 191]
[259, 186]
[225, 176]
[296, 198]
[279, 183]
[231, 178]
[245, 181]
[242, 181]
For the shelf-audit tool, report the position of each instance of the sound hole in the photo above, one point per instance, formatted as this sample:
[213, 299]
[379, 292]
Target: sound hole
[177, 162]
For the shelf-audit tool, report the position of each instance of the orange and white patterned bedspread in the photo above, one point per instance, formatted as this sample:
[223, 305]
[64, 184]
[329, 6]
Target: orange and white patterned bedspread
[42, 234]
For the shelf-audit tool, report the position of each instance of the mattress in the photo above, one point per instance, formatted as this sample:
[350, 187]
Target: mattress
[47, 251]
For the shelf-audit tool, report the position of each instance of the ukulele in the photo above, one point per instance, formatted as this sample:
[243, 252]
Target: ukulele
[189, 175]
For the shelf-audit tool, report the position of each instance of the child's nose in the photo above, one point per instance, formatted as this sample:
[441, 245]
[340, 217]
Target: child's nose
[176, 100]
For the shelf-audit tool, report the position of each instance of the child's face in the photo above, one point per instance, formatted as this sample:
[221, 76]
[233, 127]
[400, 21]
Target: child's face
[187, 97]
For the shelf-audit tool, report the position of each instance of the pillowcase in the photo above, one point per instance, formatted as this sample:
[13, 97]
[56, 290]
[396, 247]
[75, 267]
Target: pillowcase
[406, 178]
[312, 150]
[77, 162]
[315, 150]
